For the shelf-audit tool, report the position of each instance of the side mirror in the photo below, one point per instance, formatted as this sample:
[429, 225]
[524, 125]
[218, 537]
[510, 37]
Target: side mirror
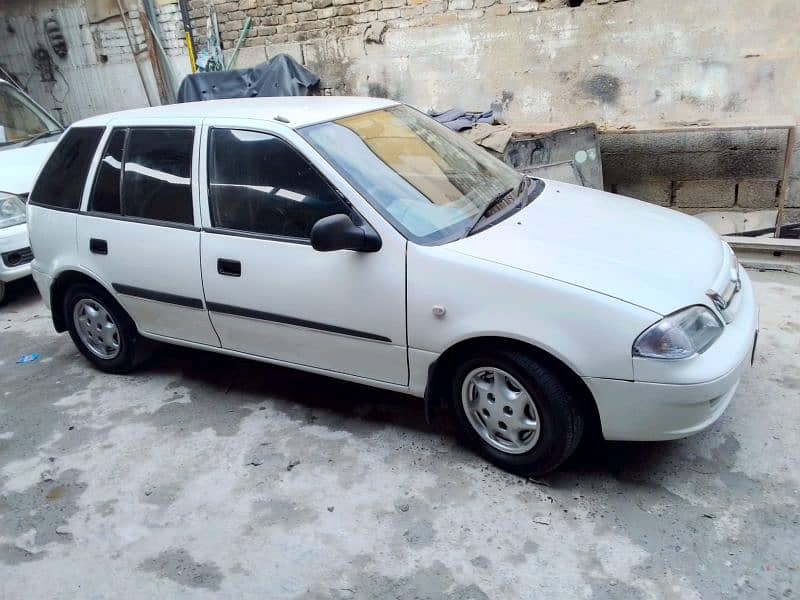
[338, 232]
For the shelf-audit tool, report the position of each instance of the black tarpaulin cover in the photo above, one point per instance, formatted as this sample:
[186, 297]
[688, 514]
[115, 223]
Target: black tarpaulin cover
[281, 76]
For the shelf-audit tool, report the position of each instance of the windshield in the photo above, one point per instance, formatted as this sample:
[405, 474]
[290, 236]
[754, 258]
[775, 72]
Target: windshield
[429, 182]
[20, 118]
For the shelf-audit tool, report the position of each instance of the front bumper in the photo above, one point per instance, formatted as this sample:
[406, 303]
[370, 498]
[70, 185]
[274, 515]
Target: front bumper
[12, 240]
[680, 398]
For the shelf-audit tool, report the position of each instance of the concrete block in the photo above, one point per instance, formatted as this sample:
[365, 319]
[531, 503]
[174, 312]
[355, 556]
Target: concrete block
[791, 215]
[794, 166]
[433, 8]
[655, 192]
[793, 197]
[709, 193]
[475, 13]
[458, 4]
[756, 193]
[293, 50]
[693, 155]
[524, 7]
[498, 10]
[249, 56]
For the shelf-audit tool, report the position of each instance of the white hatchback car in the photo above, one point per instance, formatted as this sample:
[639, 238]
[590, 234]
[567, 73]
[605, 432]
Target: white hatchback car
[357, 238]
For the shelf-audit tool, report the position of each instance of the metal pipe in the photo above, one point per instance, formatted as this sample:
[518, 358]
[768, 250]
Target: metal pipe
[134, 51]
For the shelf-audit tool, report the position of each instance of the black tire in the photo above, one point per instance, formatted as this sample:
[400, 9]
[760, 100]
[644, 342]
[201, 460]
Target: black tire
[133, 348]
[3, 288]
[561, 420]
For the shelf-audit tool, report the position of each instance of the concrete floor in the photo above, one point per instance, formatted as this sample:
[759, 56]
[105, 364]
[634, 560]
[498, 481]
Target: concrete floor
[203, 475]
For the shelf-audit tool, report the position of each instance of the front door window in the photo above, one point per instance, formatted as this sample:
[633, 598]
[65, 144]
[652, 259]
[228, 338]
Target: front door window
[259, 184]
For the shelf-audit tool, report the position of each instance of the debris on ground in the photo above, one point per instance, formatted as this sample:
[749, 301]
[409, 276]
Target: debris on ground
[28, 358]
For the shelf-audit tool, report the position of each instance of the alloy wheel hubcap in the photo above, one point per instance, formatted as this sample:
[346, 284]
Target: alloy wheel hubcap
[500, 410]
[96, 328]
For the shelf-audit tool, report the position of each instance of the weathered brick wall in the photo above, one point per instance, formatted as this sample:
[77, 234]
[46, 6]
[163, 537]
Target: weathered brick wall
[282, 21]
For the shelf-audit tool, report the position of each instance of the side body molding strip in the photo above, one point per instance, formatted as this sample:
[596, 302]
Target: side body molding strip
[130, 290]
[265, 316]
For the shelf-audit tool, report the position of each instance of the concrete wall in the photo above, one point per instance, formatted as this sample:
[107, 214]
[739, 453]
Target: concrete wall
[98, 74]
[627, 64]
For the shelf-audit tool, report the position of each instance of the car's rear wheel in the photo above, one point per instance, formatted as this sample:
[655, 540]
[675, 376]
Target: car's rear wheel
[2, 291]
[516, 411]
[102, 330]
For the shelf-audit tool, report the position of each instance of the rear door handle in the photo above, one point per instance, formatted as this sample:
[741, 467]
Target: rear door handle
[229, 267]
[98, 246]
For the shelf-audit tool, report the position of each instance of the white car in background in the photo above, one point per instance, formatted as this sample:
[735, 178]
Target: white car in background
[358, 238]
[27, 136]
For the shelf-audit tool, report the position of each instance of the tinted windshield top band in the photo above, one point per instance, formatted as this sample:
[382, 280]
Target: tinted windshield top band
[265, 316]
[130, 290]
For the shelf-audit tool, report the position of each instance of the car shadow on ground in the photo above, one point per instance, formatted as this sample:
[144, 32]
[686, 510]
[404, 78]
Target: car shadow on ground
[331, 399]
[21, 293]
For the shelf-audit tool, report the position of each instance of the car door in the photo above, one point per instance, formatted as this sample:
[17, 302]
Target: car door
[140, 234]
[269, 293]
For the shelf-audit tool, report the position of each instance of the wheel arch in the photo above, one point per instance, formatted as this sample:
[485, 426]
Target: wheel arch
[61, 283]
[436, 396]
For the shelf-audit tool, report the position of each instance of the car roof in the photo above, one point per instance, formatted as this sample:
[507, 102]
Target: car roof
[294, 111]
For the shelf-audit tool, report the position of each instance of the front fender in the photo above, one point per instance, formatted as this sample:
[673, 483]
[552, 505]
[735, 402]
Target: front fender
[589, 332]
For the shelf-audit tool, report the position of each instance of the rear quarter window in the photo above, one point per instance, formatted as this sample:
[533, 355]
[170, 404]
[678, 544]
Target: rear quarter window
[60, 184]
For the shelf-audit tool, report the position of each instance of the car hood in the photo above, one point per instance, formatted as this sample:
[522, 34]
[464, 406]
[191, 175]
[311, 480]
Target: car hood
[19, 166]
[644, 254]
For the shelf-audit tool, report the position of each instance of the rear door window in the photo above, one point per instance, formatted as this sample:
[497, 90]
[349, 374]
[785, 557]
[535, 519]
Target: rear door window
[157, 173]
[146, 173]
[60, 184]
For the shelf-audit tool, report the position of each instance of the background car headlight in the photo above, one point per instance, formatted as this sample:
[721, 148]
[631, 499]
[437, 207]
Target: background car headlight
[12, 210]
[680, 335]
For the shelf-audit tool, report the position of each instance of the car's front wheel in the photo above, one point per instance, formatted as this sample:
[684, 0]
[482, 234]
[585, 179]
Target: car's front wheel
[518, 412]
[102, 330]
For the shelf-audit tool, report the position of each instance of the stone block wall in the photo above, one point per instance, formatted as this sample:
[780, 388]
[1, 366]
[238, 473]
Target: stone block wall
[287, 21]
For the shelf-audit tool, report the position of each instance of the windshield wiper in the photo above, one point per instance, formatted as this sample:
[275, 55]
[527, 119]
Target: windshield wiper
[39, 136]
[489, 206]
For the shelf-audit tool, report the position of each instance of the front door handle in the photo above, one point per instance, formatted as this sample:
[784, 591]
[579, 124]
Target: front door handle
[97, 246]
[229, 267]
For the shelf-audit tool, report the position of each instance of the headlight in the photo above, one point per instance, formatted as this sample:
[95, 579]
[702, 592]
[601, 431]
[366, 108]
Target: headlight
[680, 335]
[12, 210]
